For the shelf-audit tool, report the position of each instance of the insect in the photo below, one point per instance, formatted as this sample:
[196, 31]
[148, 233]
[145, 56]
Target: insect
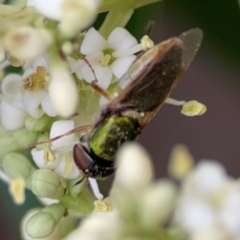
[150, 80]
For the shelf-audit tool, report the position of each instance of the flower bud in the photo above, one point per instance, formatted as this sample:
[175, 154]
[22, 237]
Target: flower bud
[26, 43]
[24, 137]
[8, 144]
[47, 184]
[43, 223]
[157, 203]
[63, 92]
[134, 171]
[37, 124]
[17, 165]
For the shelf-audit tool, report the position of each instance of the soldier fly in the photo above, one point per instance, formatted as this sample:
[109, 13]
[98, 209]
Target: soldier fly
[150, 80]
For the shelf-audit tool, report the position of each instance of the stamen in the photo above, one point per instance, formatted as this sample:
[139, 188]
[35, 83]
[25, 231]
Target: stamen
[68, 166]
[105, 60]
[174, 102]
[48, 154]
[94, 185]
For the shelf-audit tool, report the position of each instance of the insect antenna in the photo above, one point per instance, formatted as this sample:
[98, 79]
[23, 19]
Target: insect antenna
[75, 130]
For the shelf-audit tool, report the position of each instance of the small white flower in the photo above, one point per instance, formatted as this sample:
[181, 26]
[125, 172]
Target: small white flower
[108, 57]
[74, 15]
[35, 83]
[209, 204]
[63, 163]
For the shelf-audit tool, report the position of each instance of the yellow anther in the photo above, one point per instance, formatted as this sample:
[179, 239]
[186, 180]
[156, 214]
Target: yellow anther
[16, 189]
[48, 154]
[193, 108]
[37, 80]
[146, 42]
[103, 205]
[181, 162]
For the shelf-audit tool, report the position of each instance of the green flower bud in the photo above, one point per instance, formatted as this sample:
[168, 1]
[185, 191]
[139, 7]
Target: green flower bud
[47, 184]
[37, 124]
[7, 144]
[24, 137]
[17, 165]
[44, 222]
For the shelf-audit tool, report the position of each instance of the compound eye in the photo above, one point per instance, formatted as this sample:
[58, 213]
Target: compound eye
[82, 160]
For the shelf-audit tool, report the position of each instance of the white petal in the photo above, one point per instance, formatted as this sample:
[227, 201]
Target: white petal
[63, 92]
[51, 9]
[104, 75]
[40, 62]
[11, 85]
[120, 38]
[121, 65]
[196, 215]
[210, 176]
[12, 118]
[134, 171]
[61, 127]
[92, 42]
[47, 106]
[31, 102]
[38, 157]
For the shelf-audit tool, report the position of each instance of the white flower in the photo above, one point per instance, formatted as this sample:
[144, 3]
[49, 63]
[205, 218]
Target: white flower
[62, 163]
[35, 83]
[132, 195]
[74, 15]
[26, 43]
[209, 204]
[108, 57]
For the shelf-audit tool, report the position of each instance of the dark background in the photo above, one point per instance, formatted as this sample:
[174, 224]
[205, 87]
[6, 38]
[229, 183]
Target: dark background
[213, 78]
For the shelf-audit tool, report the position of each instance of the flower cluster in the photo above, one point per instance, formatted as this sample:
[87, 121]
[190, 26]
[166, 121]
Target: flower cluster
[56, 69]
[206, 205]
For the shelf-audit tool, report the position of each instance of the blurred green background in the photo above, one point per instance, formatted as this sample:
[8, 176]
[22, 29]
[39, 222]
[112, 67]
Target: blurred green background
[213, 78]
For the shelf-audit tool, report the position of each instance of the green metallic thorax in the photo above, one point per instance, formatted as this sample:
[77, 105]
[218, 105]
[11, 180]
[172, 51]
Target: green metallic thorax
[109, 135]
